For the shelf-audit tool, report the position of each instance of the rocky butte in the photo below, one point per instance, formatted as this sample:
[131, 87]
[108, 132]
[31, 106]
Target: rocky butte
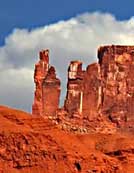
[91, 133]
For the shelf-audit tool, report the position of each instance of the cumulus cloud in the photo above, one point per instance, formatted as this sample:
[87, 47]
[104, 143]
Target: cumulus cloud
[16, 88]
[76, 38]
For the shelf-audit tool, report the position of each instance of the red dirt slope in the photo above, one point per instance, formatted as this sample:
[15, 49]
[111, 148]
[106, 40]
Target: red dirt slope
[35, 145]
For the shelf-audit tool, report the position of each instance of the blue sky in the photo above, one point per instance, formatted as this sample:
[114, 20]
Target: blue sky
[33, 13]
[71, 29]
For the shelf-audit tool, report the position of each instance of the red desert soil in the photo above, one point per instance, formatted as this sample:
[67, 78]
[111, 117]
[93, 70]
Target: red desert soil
[35, 145]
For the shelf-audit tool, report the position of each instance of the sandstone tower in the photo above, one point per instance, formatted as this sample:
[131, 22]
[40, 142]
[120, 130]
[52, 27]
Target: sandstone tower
[74, 97]
[117, 82]
[47, 91]
[104, 89]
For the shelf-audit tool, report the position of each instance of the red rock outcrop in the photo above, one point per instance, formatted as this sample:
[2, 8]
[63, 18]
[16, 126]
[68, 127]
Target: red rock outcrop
[83, 90]
[102, 92]
[47, 92]
[106, 88]
[117, 83]
[91, 91]
[73, 102]
[51, 93]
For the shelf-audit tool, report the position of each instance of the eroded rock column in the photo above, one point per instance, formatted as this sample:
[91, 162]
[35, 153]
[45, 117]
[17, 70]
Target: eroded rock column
[47, 91]
[51, 93]
[92, 91]
[41, 70]
[74, 98]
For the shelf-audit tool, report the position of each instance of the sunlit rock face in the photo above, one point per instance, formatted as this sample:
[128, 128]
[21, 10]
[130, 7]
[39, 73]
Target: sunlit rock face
[91, 91]
[82, 90]
[51, 93]
[117, 82]
[46, 99]
[74, 97]
[104, 89]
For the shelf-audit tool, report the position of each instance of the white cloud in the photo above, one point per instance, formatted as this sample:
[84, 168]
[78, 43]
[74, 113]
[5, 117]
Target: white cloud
[77, 38]
[16, 87]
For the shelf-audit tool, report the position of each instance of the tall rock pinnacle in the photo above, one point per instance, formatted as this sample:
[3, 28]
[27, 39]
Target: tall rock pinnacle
[47, 91]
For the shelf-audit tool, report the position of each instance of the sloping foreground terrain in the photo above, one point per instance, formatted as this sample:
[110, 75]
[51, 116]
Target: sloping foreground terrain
[35, 145]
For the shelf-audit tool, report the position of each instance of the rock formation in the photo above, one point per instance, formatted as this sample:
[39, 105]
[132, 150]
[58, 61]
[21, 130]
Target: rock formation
[47, 92]
[83, 90]
[92, 133]
[73, 102]
[117, 83]
[105, 89]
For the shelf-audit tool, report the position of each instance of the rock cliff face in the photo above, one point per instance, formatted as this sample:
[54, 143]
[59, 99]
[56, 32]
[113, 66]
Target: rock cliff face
[104, 91]
[73, 102]
[117, 83]
[83, 90]
[106, 88]
[91, 96]
[47, 92]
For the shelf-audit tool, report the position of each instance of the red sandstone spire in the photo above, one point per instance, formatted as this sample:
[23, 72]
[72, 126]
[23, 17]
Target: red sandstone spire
[41, 69]
[73, 102]
[46, 83]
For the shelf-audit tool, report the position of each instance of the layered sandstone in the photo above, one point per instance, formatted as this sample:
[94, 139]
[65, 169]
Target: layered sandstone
[106, 88]
[73, 102]
[91, 96]
[104, 92]
[83, 90]
[47, 92]
[117, 83]
[51, 93]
